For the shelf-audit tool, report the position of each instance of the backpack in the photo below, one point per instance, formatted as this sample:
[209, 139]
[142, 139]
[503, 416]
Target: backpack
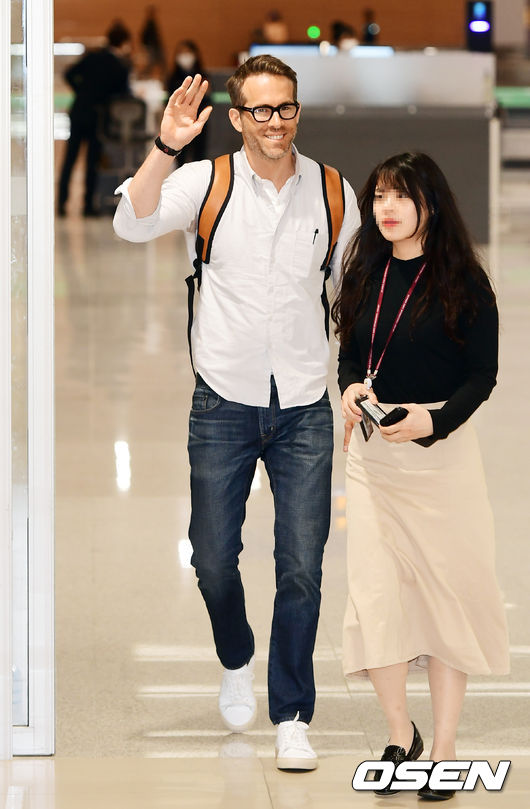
[214, 205]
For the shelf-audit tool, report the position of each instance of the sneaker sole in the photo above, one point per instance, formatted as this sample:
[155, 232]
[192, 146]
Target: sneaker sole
[238, 728]
[302, 764]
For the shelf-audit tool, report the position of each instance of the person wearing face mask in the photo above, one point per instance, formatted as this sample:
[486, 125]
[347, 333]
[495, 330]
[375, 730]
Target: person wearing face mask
[188, 62]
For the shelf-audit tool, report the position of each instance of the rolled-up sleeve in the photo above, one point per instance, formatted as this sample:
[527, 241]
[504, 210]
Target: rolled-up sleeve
[181, 196]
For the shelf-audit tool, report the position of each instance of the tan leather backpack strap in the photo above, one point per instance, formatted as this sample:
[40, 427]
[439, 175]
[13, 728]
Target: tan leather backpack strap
[333, 192]
[214, 204]
[212, 208]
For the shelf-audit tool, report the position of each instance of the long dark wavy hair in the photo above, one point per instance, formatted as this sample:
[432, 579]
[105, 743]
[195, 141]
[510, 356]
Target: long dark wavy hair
[453, 272]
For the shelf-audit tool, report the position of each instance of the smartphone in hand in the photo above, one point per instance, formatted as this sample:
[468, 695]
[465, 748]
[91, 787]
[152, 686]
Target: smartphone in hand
[374, 413]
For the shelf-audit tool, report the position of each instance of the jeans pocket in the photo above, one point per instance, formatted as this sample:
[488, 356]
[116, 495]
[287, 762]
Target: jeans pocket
[204, 398]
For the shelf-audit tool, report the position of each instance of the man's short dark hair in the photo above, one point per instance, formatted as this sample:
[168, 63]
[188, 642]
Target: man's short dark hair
[117, 34]
[255, 66]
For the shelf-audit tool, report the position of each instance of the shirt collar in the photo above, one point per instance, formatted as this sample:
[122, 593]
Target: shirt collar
[251, 174]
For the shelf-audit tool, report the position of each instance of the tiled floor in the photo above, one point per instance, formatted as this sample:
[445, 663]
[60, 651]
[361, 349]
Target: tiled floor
[137, 678]
[220, 783]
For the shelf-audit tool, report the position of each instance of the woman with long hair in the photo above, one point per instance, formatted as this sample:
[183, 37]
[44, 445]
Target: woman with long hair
[418, 327]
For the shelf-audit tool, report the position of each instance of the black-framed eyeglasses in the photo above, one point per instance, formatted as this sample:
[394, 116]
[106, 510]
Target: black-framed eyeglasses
[264, 112]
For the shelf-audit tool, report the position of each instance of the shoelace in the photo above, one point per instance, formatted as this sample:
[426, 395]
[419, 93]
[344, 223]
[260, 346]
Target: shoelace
[293, 733]
[238, 689]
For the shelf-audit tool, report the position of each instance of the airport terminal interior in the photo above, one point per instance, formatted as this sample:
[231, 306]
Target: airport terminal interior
[137, 678]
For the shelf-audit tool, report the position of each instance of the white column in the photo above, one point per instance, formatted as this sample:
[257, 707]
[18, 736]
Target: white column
[38, 738]
[5, 387]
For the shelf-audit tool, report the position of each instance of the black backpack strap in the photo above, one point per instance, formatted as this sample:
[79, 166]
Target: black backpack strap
[212, 208]
[333, 193]
[190, 282]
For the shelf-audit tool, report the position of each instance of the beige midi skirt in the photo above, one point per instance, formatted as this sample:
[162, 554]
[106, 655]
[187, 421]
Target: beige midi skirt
[421, 557]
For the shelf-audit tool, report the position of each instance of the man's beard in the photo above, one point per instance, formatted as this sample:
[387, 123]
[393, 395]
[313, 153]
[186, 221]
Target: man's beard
[256, 145]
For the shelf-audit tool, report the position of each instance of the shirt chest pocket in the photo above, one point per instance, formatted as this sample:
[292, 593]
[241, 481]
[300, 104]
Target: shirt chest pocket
[306, 250]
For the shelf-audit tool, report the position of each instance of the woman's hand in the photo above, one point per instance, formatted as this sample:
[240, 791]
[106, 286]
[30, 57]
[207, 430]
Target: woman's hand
[351, 412]
[418, 424]
[180, 123]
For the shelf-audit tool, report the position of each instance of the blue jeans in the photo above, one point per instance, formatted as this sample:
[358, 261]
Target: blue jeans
[226, 440]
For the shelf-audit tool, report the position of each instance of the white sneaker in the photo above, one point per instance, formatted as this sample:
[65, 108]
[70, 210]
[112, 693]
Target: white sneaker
[293, 751]
[237, 702]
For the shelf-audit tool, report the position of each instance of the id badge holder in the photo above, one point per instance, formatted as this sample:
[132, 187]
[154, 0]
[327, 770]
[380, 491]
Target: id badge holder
[367, 427]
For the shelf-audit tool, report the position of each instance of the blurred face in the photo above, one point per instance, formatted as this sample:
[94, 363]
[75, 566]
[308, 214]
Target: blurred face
[185, 58]
[271, 140]
[397, 219]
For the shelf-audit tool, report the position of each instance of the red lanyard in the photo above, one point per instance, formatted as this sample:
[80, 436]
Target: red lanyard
[369, 374]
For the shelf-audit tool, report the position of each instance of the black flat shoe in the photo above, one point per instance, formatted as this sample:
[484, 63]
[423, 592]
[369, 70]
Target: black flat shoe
[428, 794]
[398, 754]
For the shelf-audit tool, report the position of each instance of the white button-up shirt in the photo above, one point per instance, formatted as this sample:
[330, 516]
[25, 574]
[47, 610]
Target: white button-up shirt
[259, 311]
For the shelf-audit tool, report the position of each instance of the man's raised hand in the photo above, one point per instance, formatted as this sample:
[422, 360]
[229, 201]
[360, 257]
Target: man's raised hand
[180, 122]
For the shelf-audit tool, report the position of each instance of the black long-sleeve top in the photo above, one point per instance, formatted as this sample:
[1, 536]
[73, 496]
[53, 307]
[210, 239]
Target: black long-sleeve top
[423, 364]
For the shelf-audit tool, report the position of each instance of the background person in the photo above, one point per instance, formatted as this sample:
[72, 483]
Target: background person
[153, 47]
[343, 36]
[422, 584]
[261, 354]
[370, 29]
[95, 78]
[275, 29]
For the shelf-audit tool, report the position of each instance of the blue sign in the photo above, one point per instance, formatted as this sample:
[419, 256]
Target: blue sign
[479, 11]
